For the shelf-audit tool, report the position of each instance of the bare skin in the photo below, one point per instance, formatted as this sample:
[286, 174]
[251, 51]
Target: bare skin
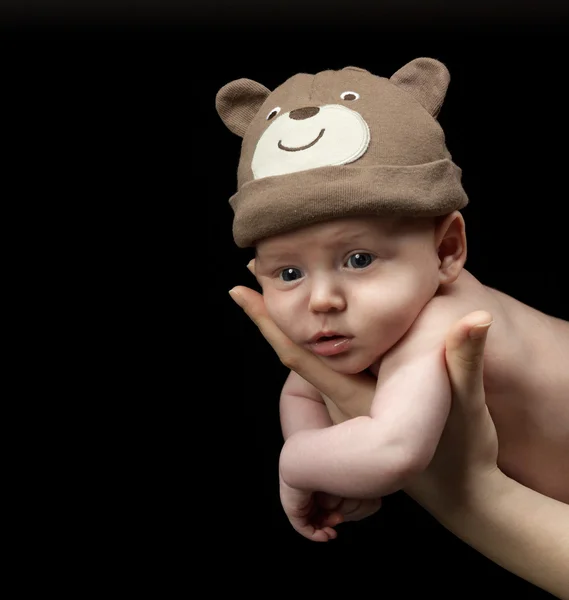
[462, 487]
[527, 386]
[392, 312]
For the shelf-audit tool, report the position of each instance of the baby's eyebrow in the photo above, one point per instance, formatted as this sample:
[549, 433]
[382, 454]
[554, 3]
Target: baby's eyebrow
[277, 255]
[350, 239]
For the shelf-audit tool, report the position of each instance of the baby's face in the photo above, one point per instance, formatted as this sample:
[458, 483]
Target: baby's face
[361, 280]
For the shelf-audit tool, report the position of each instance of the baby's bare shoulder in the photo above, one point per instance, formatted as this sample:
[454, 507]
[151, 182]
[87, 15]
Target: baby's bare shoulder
[426, 335]
[433, 323]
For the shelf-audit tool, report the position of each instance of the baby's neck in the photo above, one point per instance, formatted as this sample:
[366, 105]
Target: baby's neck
[374, 368]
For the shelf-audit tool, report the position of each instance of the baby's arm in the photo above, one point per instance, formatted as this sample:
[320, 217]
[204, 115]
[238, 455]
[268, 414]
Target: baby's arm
[301, 407]
[369, 457]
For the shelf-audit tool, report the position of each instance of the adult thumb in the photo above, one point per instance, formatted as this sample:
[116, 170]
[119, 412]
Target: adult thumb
[465, 345]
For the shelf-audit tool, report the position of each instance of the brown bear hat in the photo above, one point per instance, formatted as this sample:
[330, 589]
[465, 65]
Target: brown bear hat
[339, 143]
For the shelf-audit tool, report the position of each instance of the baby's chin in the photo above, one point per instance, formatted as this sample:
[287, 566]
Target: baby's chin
[347, 365]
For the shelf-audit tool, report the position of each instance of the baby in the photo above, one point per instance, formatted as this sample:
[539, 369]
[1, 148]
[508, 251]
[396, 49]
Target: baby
[352, 201]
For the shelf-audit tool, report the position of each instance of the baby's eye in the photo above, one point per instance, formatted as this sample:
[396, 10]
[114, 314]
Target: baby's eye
[291, 274]
[360, 260]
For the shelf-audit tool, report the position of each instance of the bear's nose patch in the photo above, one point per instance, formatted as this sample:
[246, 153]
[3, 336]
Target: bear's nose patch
[304, 113]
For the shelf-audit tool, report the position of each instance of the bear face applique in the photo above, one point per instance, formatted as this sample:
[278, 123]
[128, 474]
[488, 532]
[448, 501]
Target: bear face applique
[336, 126]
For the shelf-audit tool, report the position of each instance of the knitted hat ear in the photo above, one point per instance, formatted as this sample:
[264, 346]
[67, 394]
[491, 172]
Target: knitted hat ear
[238, 102]
[426, 79]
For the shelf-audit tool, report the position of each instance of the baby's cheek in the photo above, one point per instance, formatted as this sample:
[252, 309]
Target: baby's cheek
[282, 316]
[394, 321]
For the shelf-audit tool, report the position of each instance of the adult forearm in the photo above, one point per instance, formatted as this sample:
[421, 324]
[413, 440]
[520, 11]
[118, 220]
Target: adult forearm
[355, 459]
[519, 529]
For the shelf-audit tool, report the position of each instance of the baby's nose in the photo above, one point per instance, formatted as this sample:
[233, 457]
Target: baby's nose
[325, 298]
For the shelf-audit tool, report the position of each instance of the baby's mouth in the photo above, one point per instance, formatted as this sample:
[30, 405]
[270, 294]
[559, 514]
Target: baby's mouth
[329, 345]
[326, 338]
[320, 337]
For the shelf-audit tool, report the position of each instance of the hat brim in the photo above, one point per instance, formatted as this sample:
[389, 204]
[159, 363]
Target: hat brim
[276, 205]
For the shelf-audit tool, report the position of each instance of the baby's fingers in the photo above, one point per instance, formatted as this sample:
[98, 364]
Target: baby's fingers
[331, 520]
[315, 534]
[323, 535]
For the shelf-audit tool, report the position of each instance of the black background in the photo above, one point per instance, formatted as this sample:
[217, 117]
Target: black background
[122, 96]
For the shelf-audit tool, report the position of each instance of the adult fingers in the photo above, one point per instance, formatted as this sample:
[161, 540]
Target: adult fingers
[465, 345]
[340, 388]
[254, 306]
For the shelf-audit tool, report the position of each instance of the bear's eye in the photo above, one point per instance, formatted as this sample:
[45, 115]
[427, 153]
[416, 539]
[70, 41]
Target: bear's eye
[349, 95]
[274, 113]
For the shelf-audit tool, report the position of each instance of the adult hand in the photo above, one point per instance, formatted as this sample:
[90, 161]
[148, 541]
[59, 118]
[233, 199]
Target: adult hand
[516, 527]
[468, 447]
[348, 396]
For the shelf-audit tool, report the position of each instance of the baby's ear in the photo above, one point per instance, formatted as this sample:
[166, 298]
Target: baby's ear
[238, 102]
[426, 79]
[450, 239]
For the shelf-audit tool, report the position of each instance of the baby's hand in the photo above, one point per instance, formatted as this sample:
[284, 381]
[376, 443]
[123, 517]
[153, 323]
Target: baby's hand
[307, 516]
[349, 509]
[314, 514]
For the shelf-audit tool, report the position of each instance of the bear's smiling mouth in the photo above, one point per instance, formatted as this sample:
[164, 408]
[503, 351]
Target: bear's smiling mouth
[287, 149]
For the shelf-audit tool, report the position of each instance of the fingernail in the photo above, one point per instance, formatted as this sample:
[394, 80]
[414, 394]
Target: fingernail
[479, 331]
[235, 295]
